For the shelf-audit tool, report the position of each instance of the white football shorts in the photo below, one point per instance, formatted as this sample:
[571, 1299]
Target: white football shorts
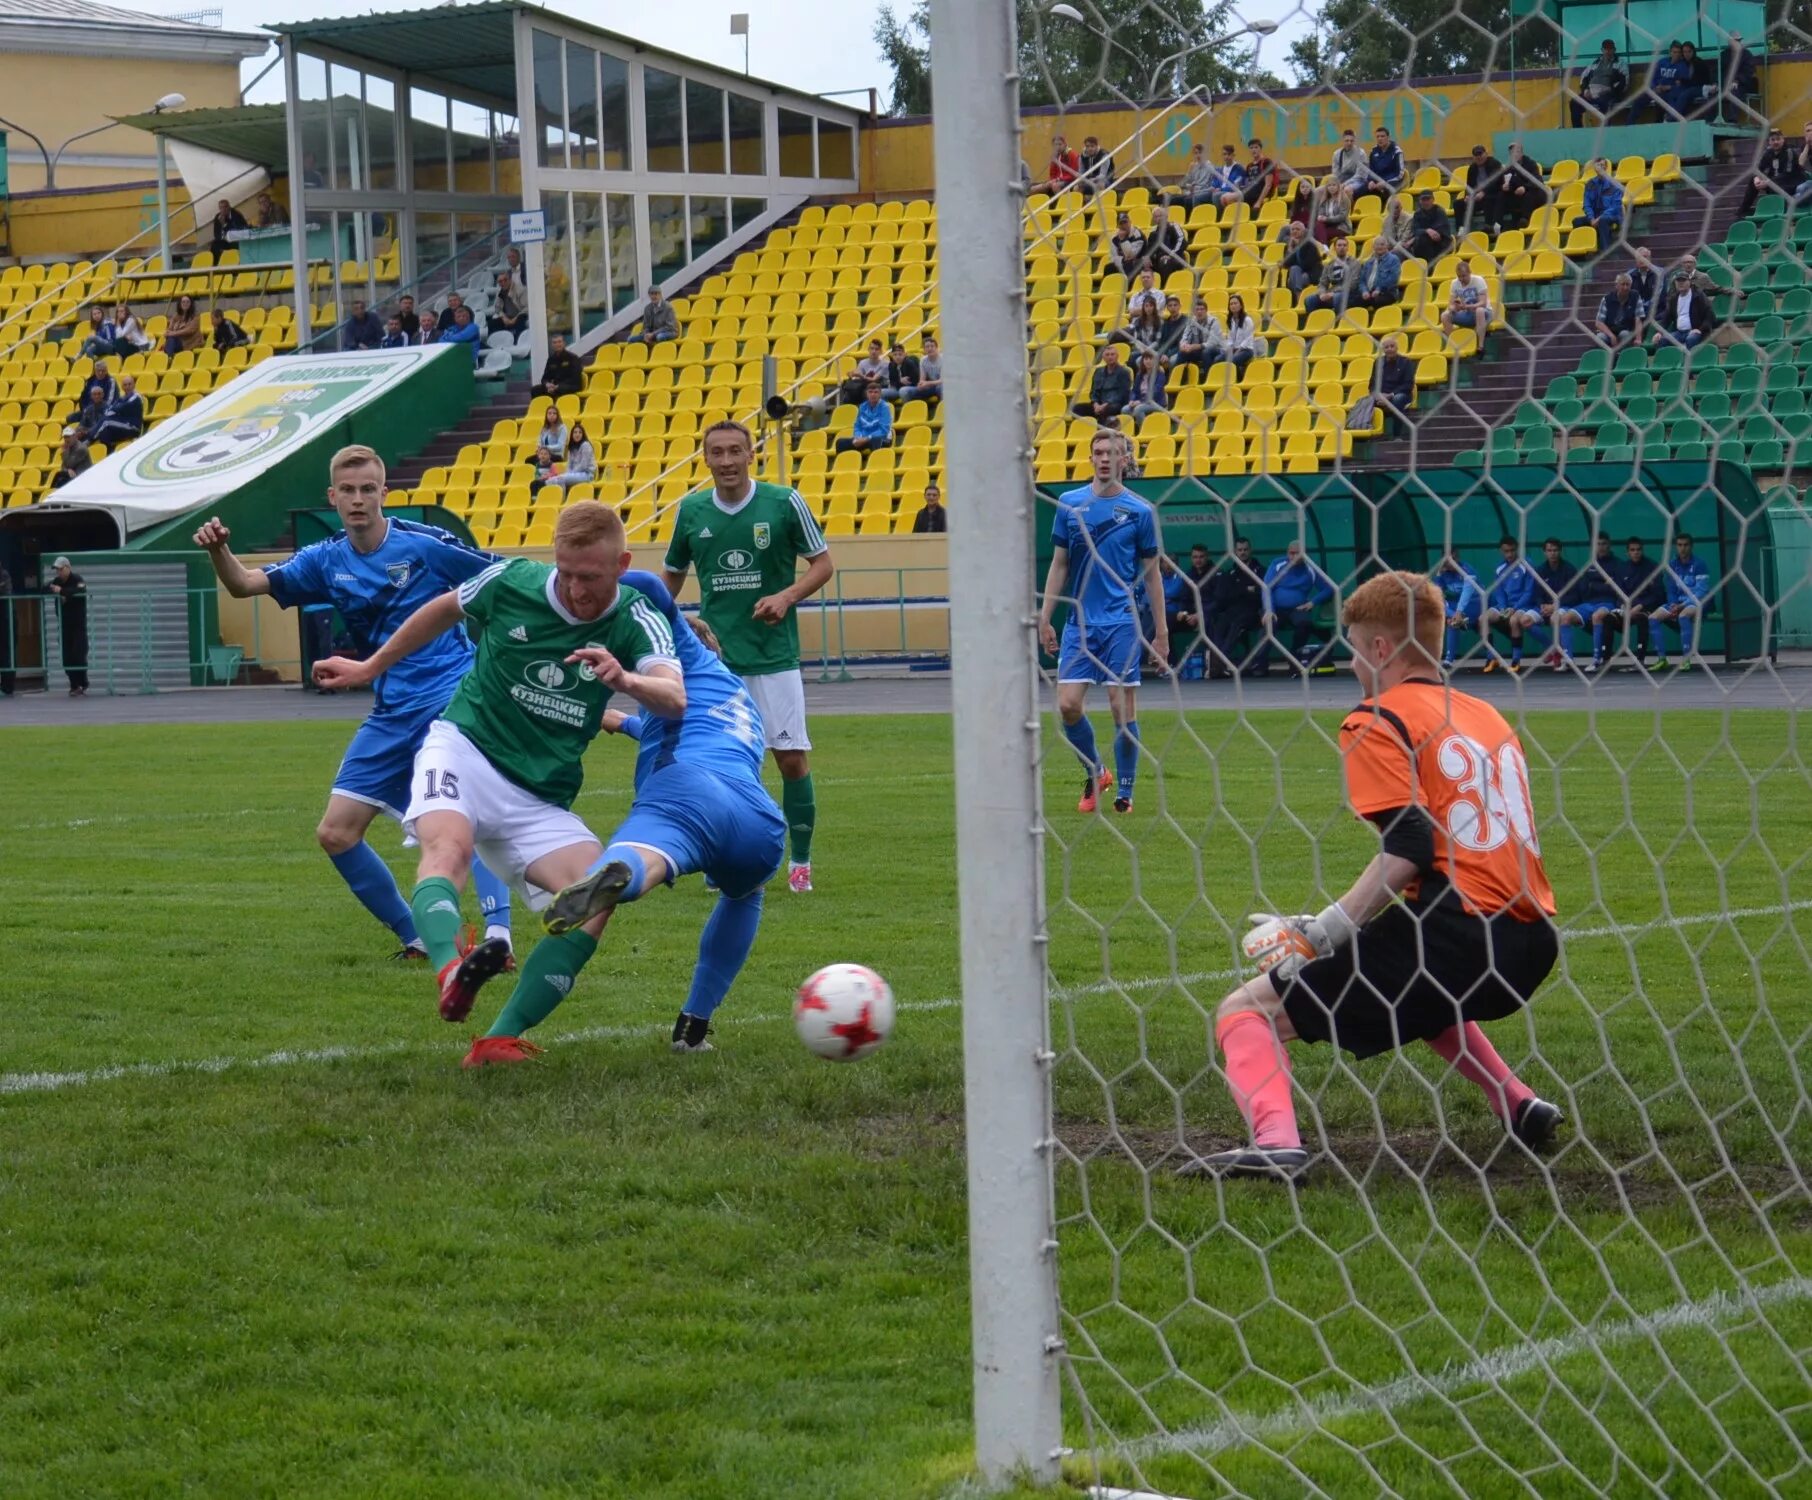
[780, 696]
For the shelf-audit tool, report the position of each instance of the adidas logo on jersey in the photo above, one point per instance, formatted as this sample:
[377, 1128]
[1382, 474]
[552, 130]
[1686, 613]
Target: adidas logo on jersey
[705, 535]
[518, 632]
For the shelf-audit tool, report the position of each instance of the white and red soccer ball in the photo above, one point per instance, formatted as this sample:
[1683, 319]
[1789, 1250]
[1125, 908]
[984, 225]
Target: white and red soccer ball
[843, 1012]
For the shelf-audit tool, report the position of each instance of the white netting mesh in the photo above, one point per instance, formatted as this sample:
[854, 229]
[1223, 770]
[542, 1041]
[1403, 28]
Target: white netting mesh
[1436, 1310]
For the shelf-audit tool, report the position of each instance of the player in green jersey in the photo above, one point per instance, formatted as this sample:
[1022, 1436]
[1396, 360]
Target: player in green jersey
[499, 770]
[746, 540]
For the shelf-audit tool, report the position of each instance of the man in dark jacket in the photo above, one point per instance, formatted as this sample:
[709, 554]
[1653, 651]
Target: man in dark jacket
[1168, 248]
[932, 518]
[1644, 590]
[1110, 390]
[1553, 585]
[1482, 174]
[562, 375]
[1384, 167]
[1301, 263]
[8, 666]
[1777, 170]
[70, 591]
[1739, 80]
[362, 330]
[1396, 377]
[124, 418]
[1602, 85]
[901, 374]
[1233, 608]
[1619, 319]
[1684, 316]
[1519, 191]
[1430, 230]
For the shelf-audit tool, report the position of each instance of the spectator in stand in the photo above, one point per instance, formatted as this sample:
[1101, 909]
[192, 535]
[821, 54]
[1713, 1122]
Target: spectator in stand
[1339, 273]
[1462, 599]
[1109, 390]
[73, 457]
[97, 339]
[1684, 316]
[1430, 230]
[183, 330]
[1804, 190]
[465, 331]
[225, 334]
[1639, 582]
[1302, 203]
[93, 413]
[1294, 589]
[1146, 332]
[449, 315]
[512, 266]
[427, 331]
[1601, 87]
[1385, 168]
[1065, 167]
[271, 213]
[1395, 231]
[70, 591]
[129, 336]
[1094, 168]
[124, 417]
[1739, 81]
[1262, 177]
[1170, 335]
[1468, 302]
[1553, 582]
[1483, 172]
[1348, 166]
[1701, 283]
[1395, 380]
[1603, 205]
[1243, 341]
[1301, 263]
[1202, 340]
[1511, 604]
[226, 220]
[659, 321]
[1126, 250]
[1228, 181]
[98, 381]
[581, 459]
[1197, 186]
[394, 337]
[1379, 282]
[1619, 319]
[1594, 599]
[1686, 586]
[1333, 211]
[1777, 170]
[550, 439]
[1704, 79]
[874, 425]
[1146, 295]
[509, 313]
[930, 386]
[405, 310]
[1645, 281]
[1148, 397]
[1520, 191]
[362, 330]
[1168, 246]
[1233, 605]
[1670, 84]
[901, 377]
[932, 519]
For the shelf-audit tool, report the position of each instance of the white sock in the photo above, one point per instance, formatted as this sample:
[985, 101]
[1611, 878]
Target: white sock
[497, 930]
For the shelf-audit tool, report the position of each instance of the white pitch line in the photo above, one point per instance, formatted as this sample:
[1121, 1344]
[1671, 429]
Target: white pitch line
[1493, 1369]
[46, 1082]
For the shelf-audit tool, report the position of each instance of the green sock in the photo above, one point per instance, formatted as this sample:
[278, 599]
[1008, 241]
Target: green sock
[800, 805]
[546, 979]
[435, 906]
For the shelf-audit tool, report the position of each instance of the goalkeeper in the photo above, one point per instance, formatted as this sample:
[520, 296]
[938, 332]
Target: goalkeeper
[1443, 778]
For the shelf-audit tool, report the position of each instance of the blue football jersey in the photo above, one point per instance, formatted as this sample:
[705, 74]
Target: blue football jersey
[721, 730]
[376, 591]
[1110, 538]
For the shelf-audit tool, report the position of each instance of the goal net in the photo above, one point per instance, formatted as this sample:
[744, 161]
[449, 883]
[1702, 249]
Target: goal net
[1591, 317]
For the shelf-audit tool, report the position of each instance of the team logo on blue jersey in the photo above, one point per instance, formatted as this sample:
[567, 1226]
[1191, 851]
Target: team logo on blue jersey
[738, 559]
[761, 535]
[399, 572]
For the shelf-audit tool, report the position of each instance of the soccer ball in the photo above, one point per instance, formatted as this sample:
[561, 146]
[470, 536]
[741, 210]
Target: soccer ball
[843, 1012]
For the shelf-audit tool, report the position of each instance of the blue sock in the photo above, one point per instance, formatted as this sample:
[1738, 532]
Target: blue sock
[1126, 757]
[1599, 621]
[723, 948]
[1450, 642]
[638, 870]
[1081, 735]
[363, 869]
[1565, 633]
[1687, 622]
[493, 895]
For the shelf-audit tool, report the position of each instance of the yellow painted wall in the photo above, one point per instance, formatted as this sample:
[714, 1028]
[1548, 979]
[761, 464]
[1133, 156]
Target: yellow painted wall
[68, 224]
[56, 97]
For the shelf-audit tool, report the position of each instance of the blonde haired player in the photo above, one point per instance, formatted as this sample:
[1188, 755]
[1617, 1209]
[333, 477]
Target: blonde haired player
[1451, 924]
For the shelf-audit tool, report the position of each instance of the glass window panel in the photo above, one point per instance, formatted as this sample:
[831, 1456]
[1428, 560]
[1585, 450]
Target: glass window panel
[471, 140]
[666, 235]
[661, 101]
[625, 270]
[311, 84]
[795, 144]
[704, 127]
[593, 255]
[613, 112]
[836, 150]
[380, 130]
[744, 211]
[433, 244]
[748, 144]
[710, 224]
[346, 158]
[428, 140]
[582, 105]
[550, 102]
[556, 270]
[505, 133]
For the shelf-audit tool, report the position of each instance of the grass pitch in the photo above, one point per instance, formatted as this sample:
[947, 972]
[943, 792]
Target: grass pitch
[290, 1248]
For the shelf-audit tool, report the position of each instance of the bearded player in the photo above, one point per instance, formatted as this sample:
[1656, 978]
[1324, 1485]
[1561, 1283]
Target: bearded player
[1450, 925]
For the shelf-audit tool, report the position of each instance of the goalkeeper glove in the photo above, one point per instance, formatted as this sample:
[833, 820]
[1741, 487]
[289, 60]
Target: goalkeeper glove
[1280, 946]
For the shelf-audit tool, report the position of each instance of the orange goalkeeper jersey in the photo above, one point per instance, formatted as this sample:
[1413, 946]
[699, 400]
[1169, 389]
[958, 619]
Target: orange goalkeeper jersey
[1423, 745]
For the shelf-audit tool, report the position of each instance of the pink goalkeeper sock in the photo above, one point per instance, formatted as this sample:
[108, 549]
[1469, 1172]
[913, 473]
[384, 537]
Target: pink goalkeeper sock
[1258, 1068]
[1468, 1050]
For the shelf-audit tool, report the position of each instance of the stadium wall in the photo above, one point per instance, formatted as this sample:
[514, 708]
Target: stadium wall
[77, 225]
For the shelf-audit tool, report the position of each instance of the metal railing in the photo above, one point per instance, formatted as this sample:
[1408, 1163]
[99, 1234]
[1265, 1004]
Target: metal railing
[448, 274]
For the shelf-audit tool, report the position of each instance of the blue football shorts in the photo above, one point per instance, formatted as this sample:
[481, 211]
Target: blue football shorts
[727, 827]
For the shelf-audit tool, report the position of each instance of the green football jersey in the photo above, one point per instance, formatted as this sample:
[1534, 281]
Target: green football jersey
[521, 704]
[743, 555]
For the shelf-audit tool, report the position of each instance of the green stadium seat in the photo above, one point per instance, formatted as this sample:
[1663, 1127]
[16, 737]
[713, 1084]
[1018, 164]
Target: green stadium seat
[1469, 458]
[1620, 453]
[1797, 425]
[1780, 379]
[1640, 411]
[1638, 385]
[1692, 452]
[1595, 362]
[1760, 428]
[1789, 404]
[1712, 382]
[1503, 441]
[1740, 354]
[1770, 455]
[1741, 233]
[1770, 331]
[1757, 305]
[1670, 385]
[1743, 255]
[1630, 360]
[1566, 413]
[1802, 230]
[1796, 303]
[1528, 414]
[1730, 451]
[1667, 357]
[1685, 434]
[1746, 381]
[1566, 388]
[1786, 277]
[1770, 206]
[1713, 410]
[1597, 388]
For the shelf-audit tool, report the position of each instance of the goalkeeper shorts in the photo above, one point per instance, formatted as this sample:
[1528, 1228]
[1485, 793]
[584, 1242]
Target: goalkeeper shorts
[1414, 971]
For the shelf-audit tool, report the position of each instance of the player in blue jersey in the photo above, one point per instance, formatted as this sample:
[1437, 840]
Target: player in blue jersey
[1512, 605]
[1688, 584]
[699, 806]
[1462, 600]
[1594, 599]
[1105, 543]
[376, 573]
